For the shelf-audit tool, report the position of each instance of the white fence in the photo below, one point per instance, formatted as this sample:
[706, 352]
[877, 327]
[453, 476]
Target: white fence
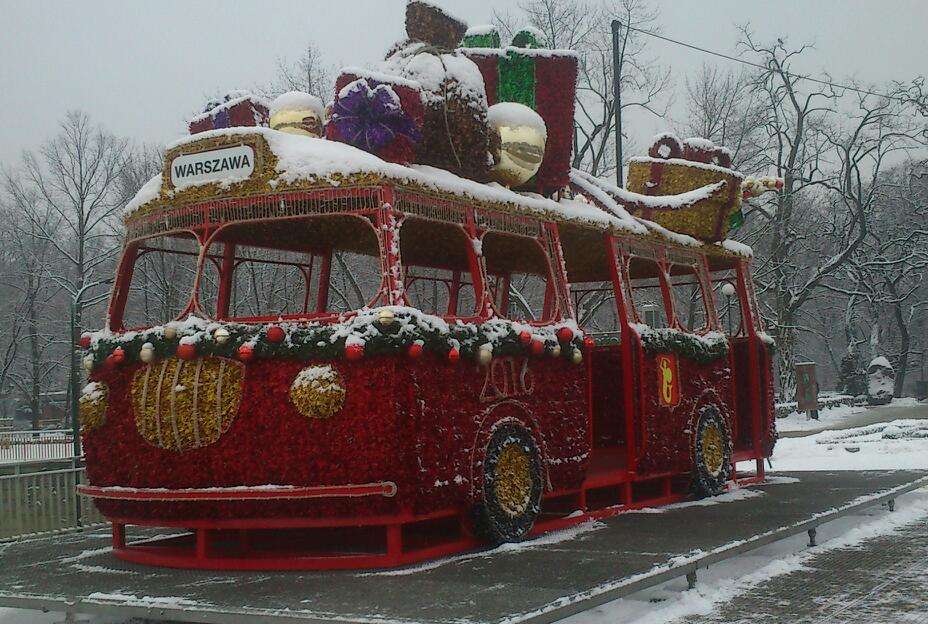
[41, 502]
[31, 446]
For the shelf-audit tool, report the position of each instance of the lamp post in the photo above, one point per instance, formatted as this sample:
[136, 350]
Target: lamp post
[617, 98]
[728, 289]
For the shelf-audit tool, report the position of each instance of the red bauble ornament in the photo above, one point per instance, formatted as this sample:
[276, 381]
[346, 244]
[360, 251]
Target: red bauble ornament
[354, 352]
[746, 194]
[415, 350]
[276, 333]
[245, 352]
[84, 341]
[564, 334]
[525, 337]
[588, 342]
[454, 355]
[117, 357]
[778, 183]
[538, 347]
[186, 351]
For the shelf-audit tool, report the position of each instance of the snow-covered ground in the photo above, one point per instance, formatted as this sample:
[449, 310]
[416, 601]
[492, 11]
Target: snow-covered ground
[831, 416]
[901, 444]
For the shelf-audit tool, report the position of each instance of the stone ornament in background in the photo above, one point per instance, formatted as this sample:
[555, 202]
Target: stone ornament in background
[881, 381]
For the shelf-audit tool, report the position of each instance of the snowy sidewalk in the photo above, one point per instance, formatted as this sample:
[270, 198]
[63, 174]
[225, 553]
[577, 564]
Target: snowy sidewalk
[883, 580]
[849, 417]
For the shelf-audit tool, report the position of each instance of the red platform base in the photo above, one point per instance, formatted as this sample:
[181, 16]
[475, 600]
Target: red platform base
[368, 542]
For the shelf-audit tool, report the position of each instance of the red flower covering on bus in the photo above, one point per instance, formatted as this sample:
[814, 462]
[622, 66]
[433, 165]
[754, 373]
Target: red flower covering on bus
[414, 425]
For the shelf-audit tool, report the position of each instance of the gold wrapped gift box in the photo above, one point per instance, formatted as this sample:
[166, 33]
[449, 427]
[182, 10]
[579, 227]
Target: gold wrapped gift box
[696, 205]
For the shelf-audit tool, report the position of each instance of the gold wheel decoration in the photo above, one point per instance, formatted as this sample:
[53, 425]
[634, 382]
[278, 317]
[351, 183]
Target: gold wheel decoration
[181, 405]
[711, 444]
[513, 482]
[92, 406]
[318, 392]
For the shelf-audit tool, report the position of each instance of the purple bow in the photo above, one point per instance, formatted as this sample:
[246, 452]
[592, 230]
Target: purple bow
[371, 118]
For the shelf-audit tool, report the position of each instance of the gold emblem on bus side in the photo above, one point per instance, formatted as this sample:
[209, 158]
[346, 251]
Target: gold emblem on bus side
[668, 380]
[181, 405]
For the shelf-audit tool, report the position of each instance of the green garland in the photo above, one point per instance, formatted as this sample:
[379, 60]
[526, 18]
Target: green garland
[327, 342]
[702, 350]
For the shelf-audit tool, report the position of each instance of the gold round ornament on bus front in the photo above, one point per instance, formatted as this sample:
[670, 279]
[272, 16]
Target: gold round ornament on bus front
[513, 483]
[711, 444]
[523, 135]
[296, 112]
[92, 406]
[318, 392]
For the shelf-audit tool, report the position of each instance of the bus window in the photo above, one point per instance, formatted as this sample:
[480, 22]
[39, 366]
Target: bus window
[595, 306]
[294, 268]
[271, 282]
[645, 279]
[436, 267]
[689, 305]
[356, 280]
[162, 280]
[520, 277]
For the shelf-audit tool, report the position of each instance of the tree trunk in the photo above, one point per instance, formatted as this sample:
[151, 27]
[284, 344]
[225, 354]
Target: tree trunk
[786, 373]
[905, 344]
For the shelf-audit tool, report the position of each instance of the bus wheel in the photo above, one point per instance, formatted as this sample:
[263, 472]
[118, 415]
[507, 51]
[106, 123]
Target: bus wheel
[712, 450]
[512, 486]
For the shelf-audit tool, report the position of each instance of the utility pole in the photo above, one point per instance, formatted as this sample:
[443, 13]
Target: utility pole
[617, 98]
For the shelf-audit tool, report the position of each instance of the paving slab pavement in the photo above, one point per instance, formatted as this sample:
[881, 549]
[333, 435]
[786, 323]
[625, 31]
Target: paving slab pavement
[538, 581]
[881, 581]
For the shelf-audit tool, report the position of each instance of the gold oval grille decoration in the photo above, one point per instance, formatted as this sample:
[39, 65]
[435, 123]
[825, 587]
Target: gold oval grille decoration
[92, 406]
[318, 392]
[181, 405]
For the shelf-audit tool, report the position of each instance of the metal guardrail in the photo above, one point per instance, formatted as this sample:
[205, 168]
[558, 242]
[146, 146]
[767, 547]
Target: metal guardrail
[42, 502]
[30, 446]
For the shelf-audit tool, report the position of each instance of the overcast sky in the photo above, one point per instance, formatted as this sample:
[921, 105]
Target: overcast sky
[141, 68]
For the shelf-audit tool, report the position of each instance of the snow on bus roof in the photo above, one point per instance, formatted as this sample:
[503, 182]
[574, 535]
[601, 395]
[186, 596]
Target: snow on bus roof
[301, 158]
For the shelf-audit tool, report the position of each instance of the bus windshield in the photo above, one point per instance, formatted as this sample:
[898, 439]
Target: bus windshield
[266, 270]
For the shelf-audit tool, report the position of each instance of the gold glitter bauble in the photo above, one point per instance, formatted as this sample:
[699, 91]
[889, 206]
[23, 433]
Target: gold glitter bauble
[318, 392]
[92, 406]
[522, 136]
[304, 121]
[181, 405]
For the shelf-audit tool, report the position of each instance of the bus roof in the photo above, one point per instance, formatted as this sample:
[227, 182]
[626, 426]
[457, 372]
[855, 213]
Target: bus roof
[286, 163]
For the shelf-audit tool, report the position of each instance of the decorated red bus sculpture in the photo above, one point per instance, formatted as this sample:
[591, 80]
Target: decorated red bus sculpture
[321, 354]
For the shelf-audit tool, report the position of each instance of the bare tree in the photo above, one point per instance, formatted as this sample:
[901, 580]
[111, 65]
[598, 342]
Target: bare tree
[75, 177]
[309, 73]
[830, 148]
[724, 106]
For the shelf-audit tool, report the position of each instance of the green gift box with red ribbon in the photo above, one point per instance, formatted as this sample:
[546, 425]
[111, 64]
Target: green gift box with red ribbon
[544, 80]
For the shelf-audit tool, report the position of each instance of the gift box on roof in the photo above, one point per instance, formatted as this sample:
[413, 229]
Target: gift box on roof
[701, 193]
[544, 80]
[236, 108]
[377, 112]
